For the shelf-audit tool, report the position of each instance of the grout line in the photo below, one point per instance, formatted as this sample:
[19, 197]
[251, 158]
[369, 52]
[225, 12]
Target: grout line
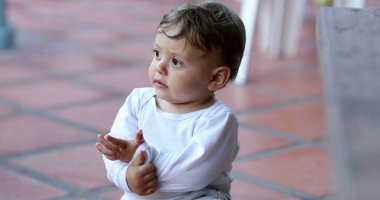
[273, 92]
[24, 81]
[24, 154]
[288, 68]
[14, 106]
[25, 109]
[11, 115]
[50, 74]
[100, 86]
[324, 197]
[268, 131]
[93, 101]
[321, 143]
[283, 104]
[92, 193]
[44, 113]
[43, 178]
[271, 186]
[298, 142]
[271, 152]
[70, 123]
[284, 70]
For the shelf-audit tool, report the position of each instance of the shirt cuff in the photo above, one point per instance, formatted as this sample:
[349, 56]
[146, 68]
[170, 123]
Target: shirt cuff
[122, 179]
[148, 152]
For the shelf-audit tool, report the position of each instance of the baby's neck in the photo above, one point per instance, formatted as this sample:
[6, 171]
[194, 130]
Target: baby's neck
[181, 108]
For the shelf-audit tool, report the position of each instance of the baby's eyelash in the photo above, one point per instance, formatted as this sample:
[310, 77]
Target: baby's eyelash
[156, 52]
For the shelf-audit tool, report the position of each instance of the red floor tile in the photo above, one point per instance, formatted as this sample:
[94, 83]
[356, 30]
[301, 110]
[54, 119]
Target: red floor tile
[12, 73]
[248, 191]
[99, 116]
[49, 93]
[254, 142]
[28, 133]
[305, 120]
[243, 97]
[19, 187]
[123, 79]
[295, 83]
[112, 195]
[46, 24]
[71, 63]
[306, 170]
[81, 166]
[96, 36]
[264, 66]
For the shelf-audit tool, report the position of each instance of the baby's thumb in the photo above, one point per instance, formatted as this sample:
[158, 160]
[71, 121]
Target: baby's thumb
[140, 160]
[139, 139]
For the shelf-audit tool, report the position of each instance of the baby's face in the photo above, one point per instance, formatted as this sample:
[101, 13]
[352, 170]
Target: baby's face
[179, 72]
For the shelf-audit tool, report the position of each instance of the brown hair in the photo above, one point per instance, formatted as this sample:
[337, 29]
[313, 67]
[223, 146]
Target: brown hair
[209, 26]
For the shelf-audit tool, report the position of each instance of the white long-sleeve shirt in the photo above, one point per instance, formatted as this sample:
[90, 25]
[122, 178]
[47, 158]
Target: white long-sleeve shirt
[190, 151]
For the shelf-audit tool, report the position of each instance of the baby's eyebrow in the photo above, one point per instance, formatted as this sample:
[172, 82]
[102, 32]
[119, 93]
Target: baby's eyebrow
[155, 45]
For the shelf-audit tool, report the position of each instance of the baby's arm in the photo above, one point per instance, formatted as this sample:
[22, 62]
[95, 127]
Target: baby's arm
[140, 177]
[124, 127]
[118, 149]
[205, 157]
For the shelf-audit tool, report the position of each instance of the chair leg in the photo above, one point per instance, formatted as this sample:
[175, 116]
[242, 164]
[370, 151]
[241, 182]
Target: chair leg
[248, 13]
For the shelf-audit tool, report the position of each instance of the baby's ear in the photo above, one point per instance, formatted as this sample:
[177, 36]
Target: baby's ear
[219, 79]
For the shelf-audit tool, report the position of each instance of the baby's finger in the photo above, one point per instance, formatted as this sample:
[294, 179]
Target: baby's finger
[107, 144]
[146, 169]
[111, 158]
[149, 177]
[139, 139]
[152, 186]
[104, 150]
[117, 142]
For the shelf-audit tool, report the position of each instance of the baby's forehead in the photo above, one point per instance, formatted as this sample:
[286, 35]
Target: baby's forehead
[181, 45]
[172, 35]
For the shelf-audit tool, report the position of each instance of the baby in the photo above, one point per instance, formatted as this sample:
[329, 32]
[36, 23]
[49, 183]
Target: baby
[176, 140]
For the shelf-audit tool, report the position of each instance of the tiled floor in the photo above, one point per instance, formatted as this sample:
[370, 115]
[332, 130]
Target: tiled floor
[74, 64]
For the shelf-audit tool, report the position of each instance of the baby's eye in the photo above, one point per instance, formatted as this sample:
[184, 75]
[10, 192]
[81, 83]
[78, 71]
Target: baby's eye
[176, 62]
[156, 53]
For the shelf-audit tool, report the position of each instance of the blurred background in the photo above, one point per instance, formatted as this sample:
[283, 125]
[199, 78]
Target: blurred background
[73, 62]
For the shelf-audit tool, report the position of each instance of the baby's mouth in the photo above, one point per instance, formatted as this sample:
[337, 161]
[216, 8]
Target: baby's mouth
[159, 84]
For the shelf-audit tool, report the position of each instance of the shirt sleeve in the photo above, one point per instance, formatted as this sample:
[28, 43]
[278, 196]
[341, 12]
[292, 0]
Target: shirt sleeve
[124, 127]
[210, 152]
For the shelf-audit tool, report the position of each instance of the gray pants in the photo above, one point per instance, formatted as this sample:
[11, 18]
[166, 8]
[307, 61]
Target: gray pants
[207, 194]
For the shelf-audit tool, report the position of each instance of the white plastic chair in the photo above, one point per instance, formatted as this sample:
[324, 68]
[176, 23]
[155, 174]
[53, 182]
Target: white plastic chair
[279, 27]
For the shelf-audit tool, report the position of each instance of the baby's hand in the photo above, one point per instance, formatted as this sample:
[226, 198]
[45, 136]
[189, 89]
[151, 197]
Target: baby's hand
[141, 178]
[118, 149]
